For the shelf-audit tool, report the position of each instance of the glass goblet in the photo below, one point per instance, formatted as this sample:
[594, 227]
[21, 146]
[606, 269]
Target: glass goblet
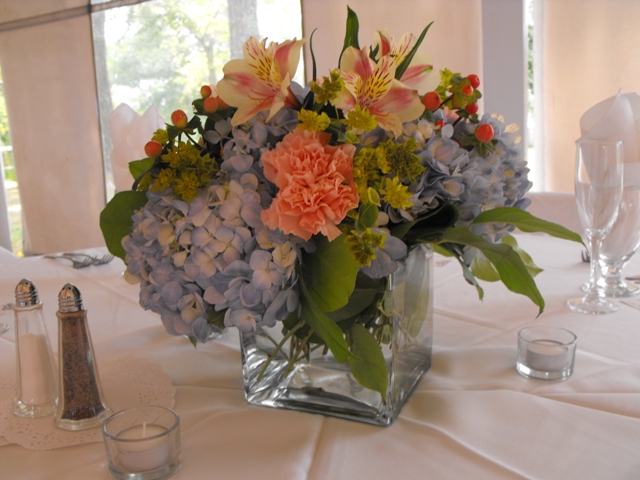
[598, 184]
[620, 244]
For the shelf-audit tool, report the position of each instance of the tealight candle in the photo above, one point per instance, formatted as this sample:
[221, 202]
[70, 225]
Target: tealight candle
[147, 449]
[547, 353]
[143, 442]
[546, 356]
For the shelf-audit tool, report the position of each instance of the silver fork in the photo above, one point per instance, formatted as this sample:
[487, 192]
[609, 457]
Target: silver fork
[94, 260]
[74, 263]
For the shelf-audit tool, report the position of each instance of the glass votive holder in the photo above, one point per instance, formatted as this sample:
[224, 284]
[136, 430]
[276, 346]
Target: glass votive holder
[143, 443]
[546, 353]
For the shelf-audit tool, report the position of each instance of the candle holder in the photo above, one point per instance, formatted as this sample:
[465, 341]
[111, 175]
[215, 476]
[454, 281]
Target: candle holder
[546, 353]
[143, 443]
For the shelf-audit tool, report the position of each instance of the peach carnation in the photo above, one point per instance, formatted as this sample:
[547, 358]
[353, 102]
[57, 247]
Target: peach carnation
[315, 182]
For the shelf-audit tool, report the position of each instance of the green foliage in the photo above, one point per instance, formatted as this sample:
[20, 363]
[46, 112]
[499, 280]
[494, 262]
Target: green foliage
[512, 270]
[364, 295]
[116, 221]
[216, 317]
[407, 61]
[429, 227]
[327, 330]
[351, 33]
[138, 167]
[370, 369]
[526, 222]
[331, 272]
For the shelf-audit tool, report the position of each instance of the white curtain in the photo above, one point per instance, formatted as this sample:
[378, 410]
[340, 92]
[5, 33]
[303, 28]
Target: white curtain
[590, 49]
[50, 91]
[454, 41]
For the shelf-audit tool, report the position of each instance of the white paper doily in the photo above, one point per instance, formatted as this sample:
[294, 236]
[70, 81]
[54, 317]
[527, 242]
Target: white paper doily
[126, 382]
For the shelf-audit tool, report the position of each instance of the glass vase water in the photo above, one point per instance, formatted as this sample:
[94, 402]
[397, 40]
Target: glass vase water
[319, 384]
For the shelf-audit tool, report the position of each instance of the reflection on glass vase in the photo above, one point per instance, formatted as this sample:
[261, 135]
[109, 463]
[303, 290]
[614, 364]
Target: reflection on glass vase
[620, 244]
[317, 383]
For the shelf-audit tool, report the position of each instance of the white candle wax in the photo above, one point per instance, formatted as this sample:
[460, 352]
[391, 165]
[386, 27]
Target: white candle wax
[546, 356]
[147, 453]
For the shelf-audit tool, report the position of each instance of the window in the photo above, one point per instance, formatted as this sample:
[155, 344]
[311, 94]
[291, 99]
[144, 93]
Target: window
[161, 52]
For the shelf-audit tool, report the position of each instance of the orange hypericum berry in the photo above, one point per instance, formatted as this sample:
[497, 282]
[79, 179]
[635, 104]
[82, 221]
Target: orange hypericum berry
[472, 108]
[484, 133]
[467, 90]
[474, 80]
[179, 119]
[211, 104]
[205, 91]
[153, 149]
[431, 101]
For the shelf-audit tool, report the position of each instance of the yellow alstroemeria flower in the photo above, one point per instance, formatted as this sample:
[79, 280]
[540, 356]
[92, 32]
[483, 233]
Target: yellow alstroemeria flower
[417, 76]
[261, 81]
[373, 87]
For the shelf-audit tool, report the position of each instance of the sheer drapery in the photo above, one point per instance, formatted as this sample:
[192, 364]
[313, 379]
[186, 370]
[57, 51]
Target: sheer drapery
[50, 91]
[454, 41]
[590, 49]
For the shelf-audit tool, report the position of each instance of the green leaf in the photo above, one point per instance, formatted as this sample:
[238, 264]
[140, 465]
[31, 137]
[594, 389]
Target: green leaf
[193, 340]
[323, 326]
[513, 272]
[115, 219]
[371, 369]
[407, 61]
[484, 270]
[216, 317]
[368, 214]
[351, 34]
[526, 222]
[138, 167]
[470, 277]
[332, 271]
[429, 227]
[363, 295]
[526, 258]
[313, 57]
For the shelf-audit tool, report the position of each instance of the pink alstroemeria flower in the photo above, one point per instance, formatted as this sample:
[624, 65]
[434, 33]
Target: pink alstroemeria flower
[373, 87]
[417, 75]
[261, 81]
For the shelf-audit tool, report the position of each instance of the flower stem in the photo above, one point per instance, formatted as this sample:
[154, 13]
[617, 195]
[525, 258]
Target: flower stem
[296, 356]
[298, 326]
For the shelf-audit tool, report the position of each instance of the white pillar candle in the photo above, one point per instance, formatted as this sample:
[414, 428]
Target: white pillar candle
[147, 452]
[546, 356]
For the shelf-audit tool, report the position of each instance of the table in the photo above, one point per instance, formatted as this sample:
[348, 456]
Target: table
[472, 416]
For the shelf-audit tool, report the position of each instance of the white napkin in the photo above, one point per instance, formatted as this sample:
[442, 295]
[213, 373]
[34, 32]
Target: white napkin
[613, 119]
[130, 132]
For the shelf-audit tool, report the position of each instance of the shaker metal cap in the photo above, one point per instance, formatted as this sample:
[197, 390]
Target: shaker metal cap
[26, 294]
[69, 299]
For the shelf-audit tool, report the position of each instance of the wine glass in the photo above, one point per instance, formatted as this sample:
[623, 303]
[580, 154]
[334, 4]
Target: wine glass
[622, 242]
[598, 184]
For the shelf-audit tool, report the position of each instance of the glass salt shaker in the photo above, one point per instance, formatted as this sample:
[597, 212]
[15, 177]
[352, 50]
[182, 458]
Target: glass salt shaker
[80, 405]
[36, 392]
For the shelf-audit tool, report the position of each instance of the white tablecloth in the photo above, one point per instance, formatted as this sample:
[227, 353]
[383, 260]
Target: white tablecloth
[472, 416]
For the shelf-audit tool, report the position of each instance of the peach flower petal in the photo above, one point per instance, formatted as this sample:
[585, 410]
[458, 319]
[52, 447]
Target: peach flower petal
[315, 182]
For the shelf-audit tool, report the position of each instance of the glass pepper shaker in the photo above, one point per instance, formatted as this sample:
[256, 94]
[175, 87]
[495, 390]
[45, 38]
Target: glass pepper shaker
[36, 392]
[80, 405]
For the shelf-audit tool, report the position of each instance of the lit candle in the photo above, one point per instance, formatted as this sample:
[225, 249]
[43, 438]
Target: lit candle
[147, 451]
[546, 356]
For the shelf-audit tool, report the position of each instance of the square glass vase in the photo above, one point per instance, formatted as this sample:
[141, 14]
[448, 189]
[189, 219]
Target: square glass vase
[320, 384]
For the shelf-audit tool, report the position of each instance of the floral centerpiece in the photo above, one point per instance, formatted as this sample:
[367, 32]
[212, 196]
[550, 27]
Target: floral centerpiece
[278, 206]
